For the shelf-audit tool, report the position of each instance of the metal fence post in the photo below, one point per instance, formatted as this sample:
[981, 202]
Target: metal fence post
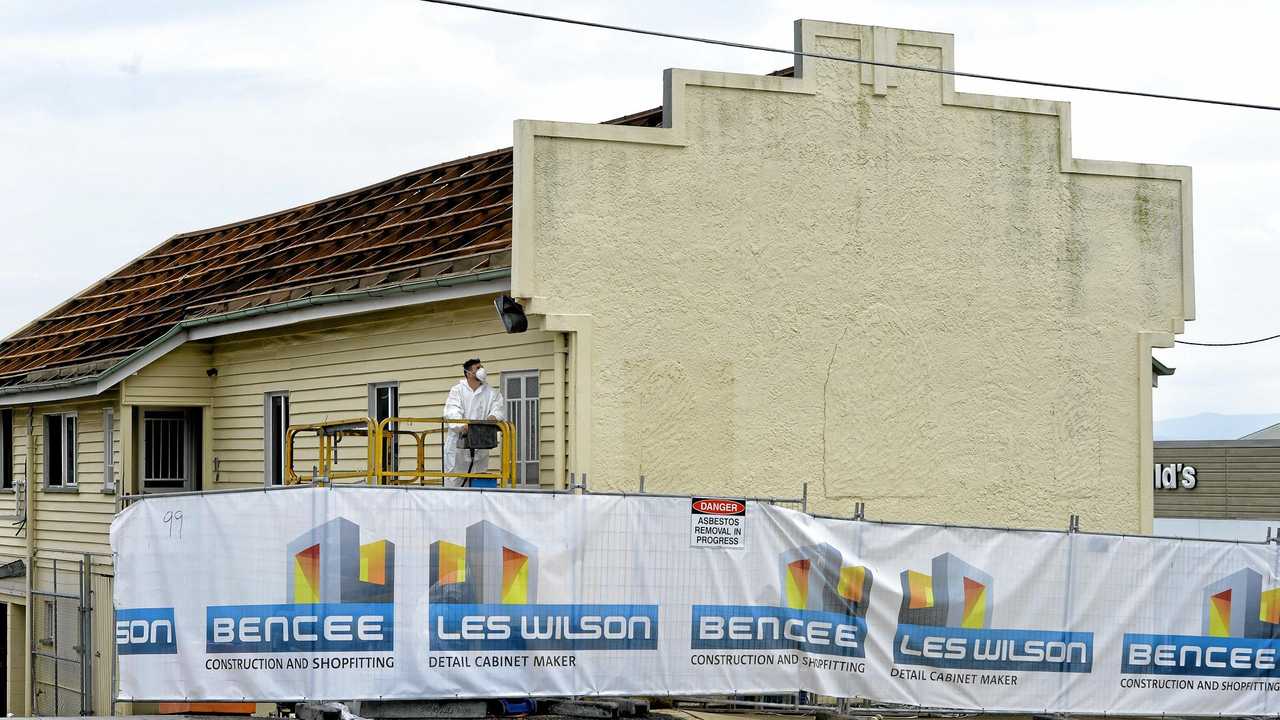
[86, 635]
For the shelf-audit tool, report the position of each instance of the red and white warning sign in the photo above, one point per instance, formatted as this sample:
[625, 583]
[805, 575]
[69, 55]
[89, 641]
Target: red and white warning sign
[718, 523]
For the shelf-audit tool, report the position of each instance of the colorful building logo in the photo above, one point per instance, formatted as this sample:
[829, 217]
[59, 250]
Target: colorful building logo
[494, 567]
[815, 578]
[1239, 635]
[1237, 606]
[483, 596]
[821, 607]
[339, 594]
[328, 564]
[956, 594]
[945, 620]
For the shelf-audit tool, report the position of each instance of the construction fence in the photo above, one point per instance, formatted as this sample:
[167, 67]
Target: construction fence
[365, 592]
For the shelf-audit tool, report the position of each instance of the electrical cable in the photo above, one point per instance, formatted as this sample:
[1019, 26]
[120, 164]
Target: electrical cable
[898, 66]
[876, 63]
[1227, 344]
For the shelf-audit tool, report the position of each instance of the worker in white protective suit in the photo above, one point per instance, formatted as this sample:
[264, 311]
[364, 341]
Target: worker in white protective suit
[470, 399]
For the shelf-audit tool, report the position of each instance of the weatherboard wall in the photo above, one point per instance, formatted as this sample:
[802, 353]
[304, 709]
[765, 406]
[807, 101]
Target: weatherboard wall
[69, 521]
[1235, 480]
[326, 369]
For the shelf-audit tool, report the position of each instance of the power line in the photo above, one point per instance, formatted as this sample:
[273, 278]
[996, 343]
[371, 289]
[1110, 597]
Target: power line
[1227, 344]
[822, 56]
[916, 68]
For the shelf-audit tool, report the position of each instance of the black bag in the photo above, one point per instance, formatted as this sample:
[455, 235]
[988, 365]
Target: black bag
[480, 436]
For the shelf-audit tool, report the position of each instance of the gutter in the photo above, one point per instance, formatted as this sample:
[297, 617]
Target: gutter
[178, 333]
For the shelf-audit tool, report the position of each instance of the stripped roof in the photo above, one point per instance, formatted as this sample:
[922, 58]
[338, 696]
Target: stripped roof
[445, 220]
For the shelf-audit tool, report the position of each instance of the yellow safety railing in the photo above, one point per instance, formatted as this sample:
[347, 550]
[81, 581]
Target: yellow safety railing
[328, 435]
[381, 444]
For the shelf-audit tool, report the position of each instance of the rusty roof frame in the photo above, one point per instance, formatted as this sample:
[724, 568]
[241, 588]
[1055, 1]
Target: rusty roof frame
[439, 232]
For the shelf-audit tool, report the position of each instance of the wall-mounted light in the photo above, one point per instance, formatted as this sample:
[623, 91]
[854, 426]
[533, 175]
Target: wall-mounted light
[511, 313]
[211, 372]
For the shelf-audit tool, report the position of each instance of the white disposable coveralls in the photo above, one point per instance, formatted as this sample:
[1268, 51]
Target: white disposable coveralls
[467, 404]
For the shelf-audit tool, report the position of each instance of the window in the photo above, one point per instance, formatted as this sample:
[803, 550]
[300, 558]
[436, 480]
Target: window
[6, 449]
[384, 402]
[170, 450]
[50, 623]
[60, 451]
[521, 390]
[276, 422]
[108, 450]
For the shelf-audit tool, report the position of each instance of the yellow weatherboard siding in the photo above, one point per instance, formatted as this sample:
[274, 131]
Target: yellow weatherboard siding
[69, 524]
[326, 368]
[860, 279]
[180, 377]
[11, 544]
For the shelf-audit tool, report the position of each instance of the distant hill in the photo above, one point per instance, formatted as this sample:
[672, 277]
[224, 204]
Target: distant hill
[1212, 426]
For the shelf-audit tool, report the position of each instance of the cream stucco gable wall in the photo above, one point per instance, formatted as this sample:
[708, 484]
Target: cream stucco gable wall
[861, 279]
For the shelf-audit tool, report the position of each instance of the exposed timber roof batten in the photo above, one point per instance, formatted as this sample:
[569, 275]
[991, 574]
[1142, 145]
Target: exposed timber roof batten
[450, 220]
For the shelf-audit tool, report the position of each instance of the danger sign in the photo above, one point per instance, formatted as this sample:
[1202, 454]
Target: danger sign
[718, 523]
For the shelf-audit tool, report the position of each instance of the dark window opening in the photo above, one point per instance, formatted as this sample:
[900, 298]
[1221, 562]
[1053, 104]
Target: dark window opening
[277, 423]
[6, 449]
[170, 453]
[60, 451]
[384, 402]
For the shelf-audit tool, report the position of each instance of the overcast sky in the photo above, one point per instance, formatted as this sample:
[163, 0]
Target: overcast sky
[125, 121]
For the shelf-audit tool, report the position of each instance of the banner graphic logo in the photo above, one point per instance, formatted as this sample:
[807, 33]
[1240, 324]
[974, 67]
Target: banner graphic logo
[945, 621]
[145, 631]
[1239, 635]
[339, 597]
[484, 597]
[822, 609]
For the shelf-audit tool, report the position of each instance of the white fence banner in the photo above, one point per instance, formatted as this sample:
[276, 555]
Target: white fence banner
[375, 592]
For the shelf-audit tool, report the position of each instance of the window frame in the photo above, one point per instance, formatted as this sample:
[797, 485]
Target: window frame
[523, 444]
[108, 450]
[268, 415]
[50, 623]
[70, 452]
[192, 449]
[391, 453]
[6, 451]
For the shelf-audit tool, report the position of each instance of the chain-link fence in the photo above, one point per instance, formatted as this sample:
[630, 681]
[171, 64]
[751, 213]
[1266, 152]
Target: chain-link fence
[61, 679]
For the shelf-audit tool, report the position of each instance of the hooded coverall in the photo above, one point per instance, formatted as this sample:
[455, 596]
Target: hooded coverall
[467, 404]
